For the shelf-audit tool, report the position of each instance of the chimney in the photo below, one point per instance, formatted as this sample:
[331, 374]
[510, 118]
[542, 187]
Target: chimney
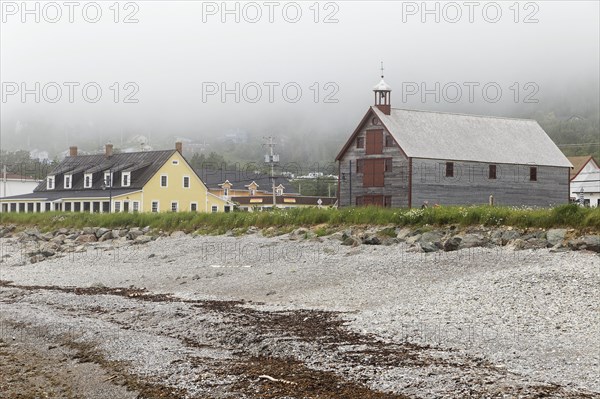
[179, 147]
[109, 150]
[73, 151]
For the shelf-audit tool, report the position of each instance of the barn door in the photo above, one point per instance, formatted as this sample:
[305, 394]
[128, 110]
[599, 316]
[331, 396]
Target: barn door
[374, 142]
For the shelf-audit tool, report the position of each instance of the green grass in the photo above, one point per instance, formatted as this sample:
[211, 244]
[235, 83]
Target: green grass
[217, 223]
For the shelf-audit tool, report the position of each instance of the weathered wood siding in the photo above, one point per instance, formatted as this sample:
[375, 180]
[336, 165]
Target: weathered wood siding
[351, 183]
[471, 185]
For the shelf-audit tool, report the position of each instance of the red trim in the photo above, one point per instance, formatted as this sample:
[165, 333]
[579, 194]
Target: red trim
[569, 186]
[410, 182]
[591, 158]
[356, 131]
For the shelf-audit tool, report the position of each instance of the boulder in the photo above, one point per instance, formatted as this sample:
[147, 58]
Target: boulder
[509, 235]
[428, 246]
[403, 233]
[59, 239]
[252, 230]
[472, 241]
[590, 243]
[47, 236]
[351, 241]
[134, 233]
[300, 234]
[101, 231]
[85, 238]
[178, 234]
[556, 236]
[412, 239]
[142, 239]
[371, 239]
[106, 236]
[452, 243]
[49, 249]
[88, 230]
[433, 237]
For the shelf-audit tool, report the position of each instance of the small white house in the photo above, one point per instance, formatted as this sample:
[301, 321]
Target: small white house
[585, 175]
[13, 184]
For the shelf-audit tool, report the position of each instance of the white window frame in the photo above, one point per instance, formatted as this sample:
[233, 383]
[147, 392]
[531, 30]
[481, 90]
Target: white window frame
[167, 181]
[279, 191]
[135, 206]
[193, 204]
[176, 203]
[85, 177]
[110, 176]
[69, 179]
[50, 182]
[128, 176]
[175, 162]
[189, 182]
[214, 208]
[117, 208]
[226, 192]
[157, 206]
[253, 191]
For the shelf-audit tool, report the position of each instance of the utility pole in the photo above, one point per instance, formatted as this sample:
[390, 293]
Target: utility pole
[271, 158]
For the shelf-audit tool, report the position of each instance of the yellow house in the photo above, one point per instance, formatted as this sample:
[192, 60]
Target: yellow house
[150, 181]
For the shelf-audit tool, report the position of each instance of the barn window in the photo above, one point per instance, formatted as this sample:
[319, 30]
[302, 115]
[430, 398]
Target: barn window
[533, 173]
[449, 169]
[492, 171]
[359, 166]
[389, 141]
[360, 142]
[388, 165]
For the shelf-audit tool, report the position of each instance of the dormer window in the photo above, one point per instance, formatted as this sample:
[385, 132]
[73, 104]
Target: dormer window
[87, 180]
[226, 191]
[279, 190]
[108, 179]
[50, 182]
[126, 179]
[68, 181]
[252, 191]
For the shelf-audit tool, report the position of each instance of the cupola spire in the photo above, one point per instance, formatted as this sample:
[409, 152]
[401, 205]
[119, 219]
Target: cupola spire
[383, 94]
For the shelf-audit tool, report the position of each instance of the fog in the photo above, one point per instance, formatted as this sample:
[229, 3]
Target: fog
[175, 60]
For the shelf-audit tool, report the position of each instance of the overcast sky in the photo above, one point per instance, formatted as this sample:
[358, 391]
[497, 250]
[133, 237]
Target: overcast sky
[179, 55]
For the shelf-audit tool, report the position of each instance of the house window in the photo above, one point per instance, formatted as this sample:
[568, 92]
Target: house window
[214, 209]
[389, 141]
[136, 206]
[388, 165]
[359, 166]
[360, 142]
[279, 191]
[155, 207]
[174, 206]
[194, 207]
[126, 179]
[252, 191]
[186, 182]
[163, 181]
[50, 182]
[67, 181]
[226, 192]
[107, 179]
[117, 206]
[533, 173]
[492, 172]
[175, 162]
[449, 169]
[87, 180]
[227, 208]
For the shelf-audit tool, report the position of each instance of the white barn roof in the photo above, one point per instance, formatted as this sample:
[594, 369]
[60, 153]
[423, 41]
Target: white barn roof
[438, 135]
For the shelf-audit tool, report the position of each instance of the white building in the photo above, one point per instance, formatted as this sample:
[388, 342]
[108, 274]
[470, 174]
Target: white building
[585, 175]
[12, 184]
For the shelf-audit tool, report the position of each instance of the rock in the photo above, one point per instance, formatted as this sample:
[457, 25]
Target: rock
[509, 235]
[433, 237]
[59, 239]
[49, 249]
[590, 243]
[142, 239]
[472, 241]
[403, 233]
[252, 230]
[412, 239]
[36, 258]
[106, 236]
[62, 231]
[389, 241]
[146, 229]
[300, 234]
[47, 236]
[496, 237]
[452, 243]
[101, 231]
[84, 238]
[428, 246]
[178, 234]
[88, 230]
[117, 233]
[371, 240]
[556, 236]
[134, 233]
[351, 241]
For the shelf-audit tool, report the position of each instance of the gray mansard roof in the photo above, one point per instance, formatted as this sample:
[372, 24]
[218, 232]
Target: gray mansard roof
[438, 135]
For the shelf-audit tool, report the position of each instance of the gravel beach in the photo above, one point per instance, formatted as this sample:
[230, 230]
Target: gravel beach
[252, 316]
